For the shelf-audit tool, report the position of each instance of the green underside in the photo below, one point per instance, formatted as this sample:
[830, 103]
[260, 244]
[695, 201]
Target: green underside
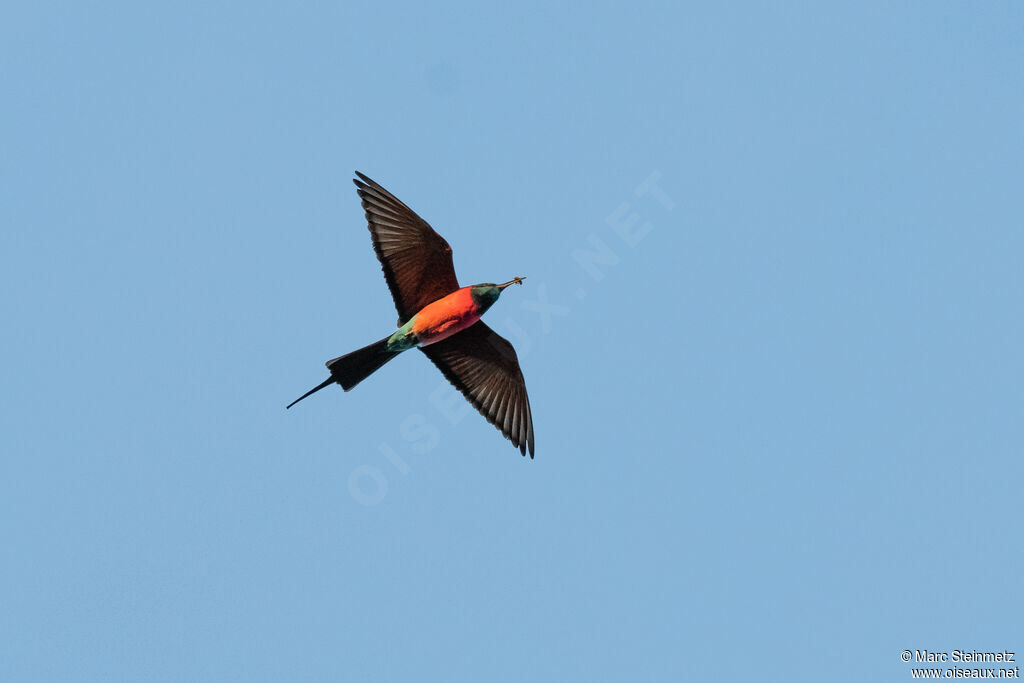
[404, 338]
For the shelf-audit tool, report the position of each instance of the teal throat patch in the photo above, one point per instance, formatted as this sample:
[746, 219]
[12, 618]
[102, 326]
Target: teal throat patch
[484, 295]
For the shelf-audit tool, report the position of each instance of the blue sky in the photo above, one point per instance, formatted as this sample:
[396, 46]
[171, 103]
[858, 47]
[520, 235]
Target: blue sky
[779, 420]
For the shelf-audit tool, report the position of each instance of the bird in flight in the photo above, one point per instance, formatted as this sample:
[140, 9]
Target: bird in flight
[439, 317]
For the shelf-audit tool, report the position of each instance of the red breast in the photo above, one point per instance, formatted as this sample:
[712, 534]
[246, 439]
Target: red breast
[445, 317]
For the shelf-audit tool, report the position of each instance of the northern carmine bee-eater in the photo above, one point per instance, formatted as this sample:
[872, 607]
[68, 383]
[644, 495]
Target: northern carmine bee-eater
[439, 317]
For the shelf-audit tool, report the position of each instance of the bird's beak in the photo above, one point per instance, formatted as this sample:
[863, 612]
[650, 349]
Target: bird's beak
[514, 281]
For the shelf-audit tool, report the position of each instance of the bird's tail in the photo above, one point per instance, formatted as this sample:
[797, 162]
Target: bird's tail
[352, 368]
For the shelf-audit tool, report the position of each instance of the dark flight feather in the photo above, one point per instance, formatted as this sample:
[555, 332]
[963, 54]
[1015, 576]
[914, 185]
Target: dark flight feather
[483, 366]
[417, 262]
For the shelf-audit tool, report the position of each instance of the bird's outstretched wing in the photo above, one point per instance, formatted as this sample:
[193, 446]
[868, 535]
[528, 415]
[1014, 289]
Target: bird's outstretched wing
[417, 262]
[483, 366]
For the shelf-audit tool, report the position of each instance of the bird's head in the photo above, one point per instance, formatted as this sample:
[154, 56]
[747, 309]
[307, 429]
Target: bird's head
[486, 294]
